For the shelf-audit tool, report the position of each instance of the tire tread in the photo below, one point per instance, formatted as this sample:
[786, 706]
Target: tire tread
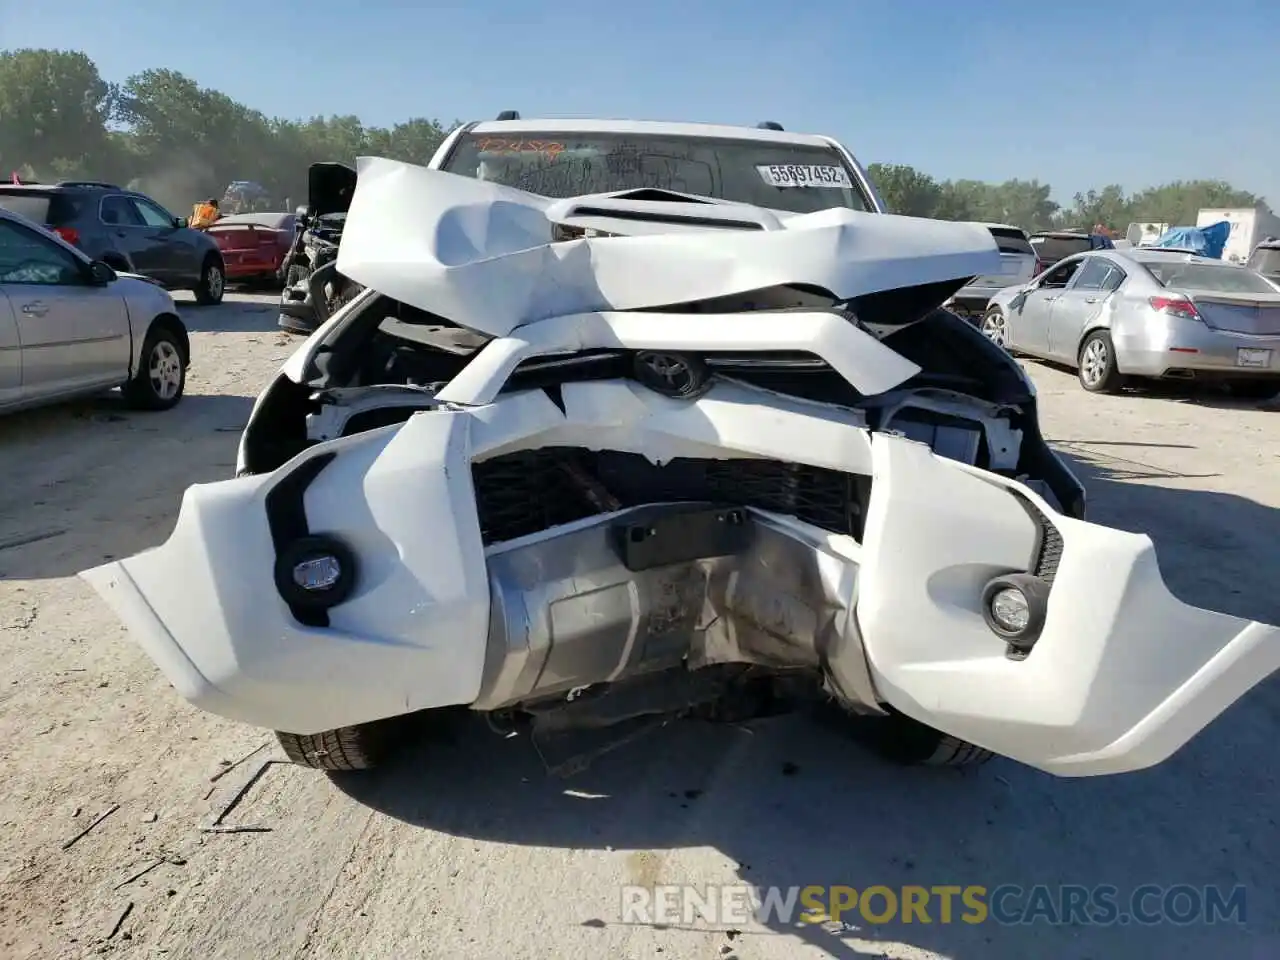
[346, 748]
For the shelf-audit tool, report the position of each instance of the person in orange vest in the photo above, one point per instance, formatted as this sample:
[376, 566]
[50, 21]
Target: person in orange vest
[204, 214]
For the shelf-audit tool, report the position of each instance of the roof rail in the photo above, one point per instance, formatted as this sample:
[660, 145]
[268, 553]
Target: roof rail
[509, 115]
[87, 183]
[768, 125]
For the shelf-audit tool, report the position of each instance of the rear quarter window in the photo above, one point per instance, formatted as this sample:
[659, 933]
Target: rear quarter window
[1012, 241]
[1265, 260]
[49, 209]
[1053, 249]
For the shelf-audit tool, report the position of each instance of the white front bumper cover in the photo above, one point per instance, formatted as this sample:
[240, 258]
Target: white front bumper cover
[1122, 676]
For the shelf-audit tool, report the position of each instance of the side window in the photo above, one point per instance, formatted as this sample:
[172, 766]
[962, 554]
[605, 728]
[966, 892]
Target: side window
[27, 257]
[1093, 274]
[1061, 275]
[118, 211]
[152, 215]
[1114, 278]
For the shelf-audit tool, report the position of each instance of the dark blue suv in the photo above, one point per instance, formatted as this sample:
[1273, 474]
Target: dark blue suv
[1054, 245]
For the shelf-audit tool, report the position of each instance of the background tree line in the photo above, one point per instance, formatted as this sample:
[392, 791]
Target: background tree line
[163, 133]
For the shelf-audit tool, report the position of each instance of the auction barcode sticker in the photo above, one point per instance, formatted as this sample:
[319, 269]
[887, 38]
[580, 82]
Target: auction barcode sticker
[804, 175]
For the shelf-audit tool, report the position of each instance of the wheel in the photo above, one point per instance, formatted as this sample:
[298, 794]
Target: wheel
[902, 740]
[213, 283]
[1097, 364]
[361, 747]
[161, 376]
[1254, 389]
[996, 328]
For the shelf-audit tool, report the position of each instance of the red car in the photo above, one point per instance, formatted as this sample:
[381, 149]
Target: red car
[253, 245]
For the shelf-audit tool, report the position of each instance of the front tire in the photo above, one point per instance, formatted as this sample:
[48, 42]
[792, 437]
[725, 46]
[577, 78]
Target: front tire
[995, 327]
[901, 740]
[1096, 364]
[161, 377]
[213, 283]
[361, 747]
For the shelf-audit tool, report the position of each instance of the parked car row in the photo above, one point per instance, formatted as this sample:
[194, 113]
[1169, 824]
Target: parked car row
[132, 233]
[126, 230]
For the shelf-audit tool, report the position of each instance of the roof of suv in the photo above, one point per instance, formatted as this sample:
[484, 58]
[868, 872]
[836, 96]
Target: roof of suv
[653, 128]
[63, 185]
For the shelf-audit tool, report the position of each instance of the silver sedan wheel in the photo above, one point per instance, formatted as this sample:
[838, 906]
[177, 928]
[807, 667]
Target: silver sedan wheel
[165, 370]
[996, 329]
[1093, 362]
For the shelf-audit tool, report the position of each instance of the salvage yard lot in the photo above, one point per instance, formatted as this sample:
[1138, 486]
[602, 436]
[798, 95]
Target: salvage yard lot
[468, 850]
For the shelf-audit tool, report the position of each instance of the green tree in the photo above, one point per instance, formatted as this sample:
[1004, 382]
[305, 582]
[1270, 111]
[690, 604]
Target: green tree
[1178, 202]
[905, 190]
[54, 108]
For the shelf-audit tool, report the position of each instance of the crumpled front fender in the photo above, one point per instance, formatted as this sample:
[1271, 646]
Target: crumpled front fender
[1123, 673]
[225, 639]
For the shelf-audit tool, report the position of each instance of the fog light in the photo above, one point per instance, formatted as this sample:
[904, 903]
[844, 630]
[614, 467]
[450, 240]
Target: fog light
[1010, 609]
[1014, 606]
[315, 572]
[320, 573]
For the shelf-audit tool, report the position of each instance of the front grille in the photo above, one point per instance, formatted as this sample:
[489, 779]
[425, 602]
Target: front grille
[523, 493]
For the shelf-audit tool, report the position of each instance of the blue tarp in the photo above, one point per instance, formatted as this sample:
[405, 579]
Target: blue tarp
[1207, 241]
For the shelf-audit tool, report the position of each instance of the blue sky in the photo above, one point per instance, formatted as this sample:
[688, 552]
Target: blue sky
[1078, 94]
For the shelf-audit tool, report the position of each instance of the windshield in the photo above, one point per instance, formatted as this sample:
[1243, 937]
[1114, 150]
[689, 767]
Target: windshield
[1053, 249]
[778, 176]
[1209, 277]
[1265, 260]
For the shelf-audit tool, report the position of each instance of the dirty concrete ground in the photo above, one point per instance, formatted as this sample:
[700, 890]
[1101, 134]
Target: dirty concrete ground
[467, 849]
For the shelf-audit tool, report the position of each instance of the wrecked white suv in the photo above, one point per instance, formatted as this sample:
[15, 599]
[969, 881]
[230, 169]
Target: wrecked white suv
[569, 462]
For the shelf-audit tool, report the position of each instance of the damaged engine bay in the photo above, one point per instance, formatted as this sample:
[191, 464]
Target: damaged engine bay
[969, 403]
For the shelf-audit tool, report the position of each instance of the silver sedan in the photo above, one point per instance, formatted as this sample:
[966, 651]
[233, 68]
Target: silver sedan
[1115, 315]
[71, 326]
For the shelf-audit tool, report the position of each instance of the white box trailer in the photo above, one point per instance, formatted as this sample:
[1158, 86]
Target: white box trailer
[1248, 227]
[1144, 232]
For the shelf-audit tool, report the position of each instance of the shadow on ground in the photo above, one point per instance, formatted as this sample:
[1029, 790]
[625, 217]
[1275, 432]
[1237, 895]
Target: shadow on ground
[1213, 547]
[94, 480]
[795, 803]
[1205, 394]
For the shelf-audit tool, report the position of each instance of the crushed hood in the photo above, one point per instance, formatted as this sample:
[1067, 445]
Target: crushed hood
[482, 255]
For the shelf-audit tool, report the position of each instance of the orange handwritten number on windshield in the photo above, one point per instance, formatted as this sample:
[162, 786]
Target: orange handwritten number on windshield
[496, 145]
